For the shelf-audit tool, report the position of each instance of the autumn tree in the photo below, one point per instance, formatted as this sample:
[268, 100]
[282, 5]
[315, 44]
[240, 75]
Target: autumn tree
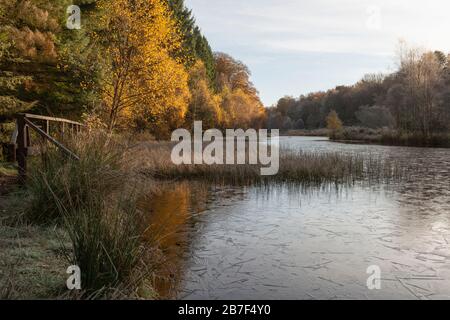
[145, 85]
[10, 84]
[333, 121]
[234, 74]
[25, 33]
[205, 105]
[285, 105]
[414, 96]
[444, 97]
[49, 64]
[29, 38]
[241, 104]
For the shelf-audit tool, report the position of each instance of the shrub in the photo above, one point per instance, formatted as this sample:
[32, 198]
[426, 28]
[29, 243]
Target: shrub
[95, 202]
[56, 176]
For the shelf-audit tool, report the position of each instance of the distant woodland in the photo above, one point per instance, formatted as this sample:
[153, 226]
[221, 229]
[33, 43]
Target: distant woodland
[414, 99]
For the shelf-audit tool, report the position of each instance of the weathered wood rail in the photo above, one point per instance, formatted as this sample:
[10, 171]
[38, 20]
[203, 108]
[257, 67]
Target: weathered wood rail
[21, 145]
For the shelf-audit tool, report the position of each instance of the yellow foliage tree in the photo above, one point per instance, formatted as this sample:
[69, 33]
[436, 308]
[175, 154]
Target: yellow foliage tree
[242, 107]
[144, 84]
[333, 121]
[204, 105]
[241, 110]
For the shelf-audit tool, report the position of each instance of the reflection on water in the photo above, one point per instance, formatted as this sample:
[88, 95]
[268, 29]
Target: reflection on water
[285, 242]
[168, 213]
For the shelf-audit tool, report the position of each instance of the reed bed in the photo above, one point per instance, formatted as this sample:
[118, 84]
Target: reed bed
[302, 167]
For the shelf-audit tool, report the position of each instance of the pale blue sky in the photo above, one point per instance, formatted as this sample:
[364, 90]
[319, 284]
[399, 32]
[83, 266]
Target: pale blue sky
[297, 46]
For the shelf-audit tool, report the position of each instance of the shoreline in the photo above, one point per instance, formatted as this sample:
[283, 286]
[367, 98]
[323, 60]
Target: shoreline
[355, 135]
[392, 144]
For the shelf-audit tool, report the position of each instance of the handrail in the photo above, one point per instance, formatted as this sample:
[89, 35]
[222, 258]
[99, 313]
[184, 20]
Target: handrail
[20, 146]
[52, 140]
[39, 117]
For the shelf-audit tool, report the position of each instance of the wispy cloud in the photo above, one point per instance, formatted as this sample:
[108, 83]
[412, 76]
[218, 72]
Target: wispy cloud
[282, 31]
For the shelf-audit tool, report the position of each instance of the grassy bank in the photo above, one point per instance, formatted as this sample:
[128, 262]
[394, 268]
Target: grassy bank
[32, 262]
[389, 137]
[93, 203]
[8, 175]
[32, 257]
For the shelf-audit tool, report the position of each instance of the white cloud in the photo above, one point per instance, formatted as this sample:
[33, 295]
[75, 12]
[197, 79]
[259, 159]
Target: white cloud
[259, 29]
[252, 20]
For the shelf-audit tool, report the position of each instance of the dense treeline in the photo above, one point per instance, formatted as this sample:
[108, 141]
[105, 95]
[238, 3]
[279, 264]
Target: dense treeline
[195, 45]
[414, 99]
[134, 65]
[310, 111]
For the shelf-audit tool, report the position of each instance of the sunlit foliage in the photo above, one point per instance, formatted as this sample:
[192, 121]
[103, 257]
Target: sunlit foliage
[133, 65]
[333, 121]
[144, 84]
[242, 107]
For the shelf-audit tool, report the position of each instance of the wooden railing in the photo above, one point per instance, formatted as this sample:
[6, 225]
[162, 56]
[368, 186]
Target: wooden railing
[21, 145]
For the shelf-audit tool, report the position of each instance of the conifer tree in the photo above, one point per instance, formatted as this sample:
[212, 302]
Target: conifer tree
[195, 45]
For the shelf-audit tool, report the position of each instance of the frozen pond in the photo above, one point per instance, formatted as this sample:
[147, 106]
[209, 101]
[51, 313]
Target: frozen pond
[285, 242]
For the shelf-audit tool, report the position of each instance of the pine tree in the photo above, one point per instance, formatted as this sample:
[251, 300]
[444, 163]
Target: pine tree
[195, 45]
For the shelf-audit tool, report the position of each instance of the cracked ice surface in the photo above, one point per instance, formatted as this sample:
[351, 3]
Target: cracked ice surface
[286, 243]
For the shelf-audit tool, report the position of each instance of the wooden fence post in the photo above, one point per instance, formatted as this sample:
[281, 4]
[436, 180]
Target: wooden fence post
[22, 148]
[12, 146]
[21, 143]
[47, 127]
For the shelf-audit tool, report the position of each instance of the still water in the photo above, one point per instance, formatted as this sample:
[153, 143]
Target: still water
[287, 242]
